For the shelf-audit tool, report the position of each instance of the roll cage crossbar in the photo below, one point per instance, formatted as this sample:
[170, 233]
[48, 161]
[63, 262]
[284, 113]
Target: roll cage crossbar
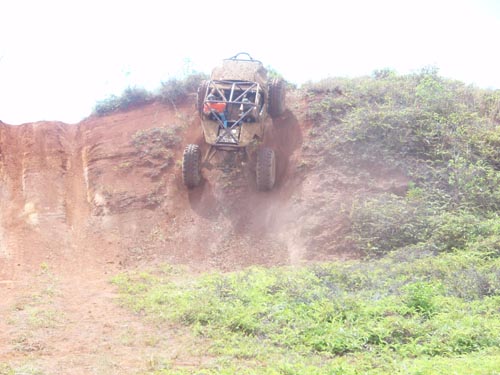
[238, 58]
[241, 97]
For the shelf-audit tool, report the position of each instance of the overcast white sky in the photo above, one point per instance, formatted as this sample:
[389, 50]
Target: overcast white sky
[57, 58]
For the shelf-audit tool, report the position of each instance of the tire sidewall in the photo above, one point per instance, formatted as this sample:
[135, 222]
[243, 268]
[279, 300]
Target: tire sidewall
[191, 166]
[265, 169]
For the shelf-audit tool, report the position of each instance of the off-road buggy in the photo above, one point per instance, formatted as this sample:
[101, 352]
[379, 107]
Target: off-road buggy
[234, 105]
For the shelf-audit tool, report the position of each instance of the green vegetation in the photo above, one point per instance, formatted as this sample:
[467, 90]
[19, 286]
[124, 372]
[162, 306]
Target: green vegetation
[442, 134]
[400, 315]
[171, 92]
[130, 98]
[175, 90]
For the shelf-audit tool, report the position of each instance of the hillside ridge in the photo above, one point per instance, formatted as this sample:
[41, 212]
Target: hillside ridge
[108, 191]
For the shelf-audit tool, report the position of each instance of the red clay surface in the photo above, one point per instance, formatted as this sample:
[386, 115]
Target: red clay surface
[80, 203]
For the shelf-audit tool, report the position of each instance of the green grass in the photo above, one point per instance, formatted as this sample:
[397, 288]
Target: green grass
[396, 315]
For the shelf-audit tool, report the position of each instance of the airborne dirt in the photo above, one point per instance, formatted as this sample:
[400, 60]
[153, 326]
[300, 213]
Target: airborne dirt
[81, 203]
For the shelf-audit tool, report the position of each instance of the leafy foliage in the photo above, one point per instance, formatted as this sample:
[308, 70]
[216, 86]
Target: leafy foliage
[131, 97]
[372, 317]
[389, 221]
[175, 90]
[172, 91]
[442, 133]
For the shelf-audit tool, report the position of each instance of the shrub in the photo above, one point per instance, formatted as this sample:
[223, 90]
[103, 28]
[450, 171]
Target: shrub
[487, 146]
[175, 90]
[420, 297]
[172, 91]
[387, 222]
[157, 143]
[473, 185]
[454, 230]
[131, 97]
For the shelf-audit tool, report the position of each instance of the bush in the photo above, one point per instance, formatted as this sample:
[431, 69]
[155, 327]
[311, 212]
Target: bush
[387, 222]
[175, 90]
[172, 91]
[454, 230]
[157, 143]
[131, 97]
[473, 185]
[420, 297]
[486, 145]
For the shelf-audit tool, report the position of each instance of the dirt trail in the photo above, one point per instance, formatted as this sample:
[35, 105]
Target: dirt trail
[81, 203]
[73, 325]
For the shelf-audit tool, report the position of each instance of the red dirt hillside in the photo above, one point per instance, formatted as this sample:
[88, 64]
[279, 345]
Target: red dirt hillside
[108, 192]
[79, 203]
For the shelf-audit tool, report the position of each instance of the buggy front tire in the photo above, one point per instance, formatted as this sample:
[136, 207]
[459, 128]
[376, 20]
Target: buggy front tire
[191, 166]
[266, 169]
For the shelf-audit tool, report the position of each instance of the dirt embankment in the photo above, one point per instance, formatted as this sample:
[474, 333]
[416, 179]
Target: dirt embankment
[99, 195]
[81, 202]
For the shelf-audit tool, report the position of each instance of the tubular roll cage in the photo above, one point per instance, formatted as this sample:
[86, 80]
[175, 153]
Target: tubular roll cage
[233, 94]
[238, 58]
[238, 92]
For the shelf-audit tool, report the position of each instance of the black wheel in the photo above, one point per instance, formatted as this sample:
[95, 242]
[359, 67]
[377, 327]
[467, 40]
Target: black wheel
[266, 169]
[276, 97]
[201, 95]
[191, 166]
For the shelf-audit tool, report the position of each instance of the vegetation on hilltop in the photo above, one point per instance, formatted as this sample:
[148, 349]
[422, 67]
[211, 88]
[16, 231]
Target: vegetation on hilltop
[171, 91]
[443, 134]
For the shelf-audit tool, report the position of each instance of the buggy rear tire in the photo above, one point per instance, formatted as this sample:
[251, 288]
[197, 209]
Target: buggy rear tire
[276, 97]
[266, 169]
[201, 95]
[191, 166]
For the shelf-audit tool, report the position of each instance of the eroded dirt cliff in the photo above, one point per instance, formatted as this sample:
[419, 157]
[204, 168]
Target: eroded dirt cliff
[79, 203]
